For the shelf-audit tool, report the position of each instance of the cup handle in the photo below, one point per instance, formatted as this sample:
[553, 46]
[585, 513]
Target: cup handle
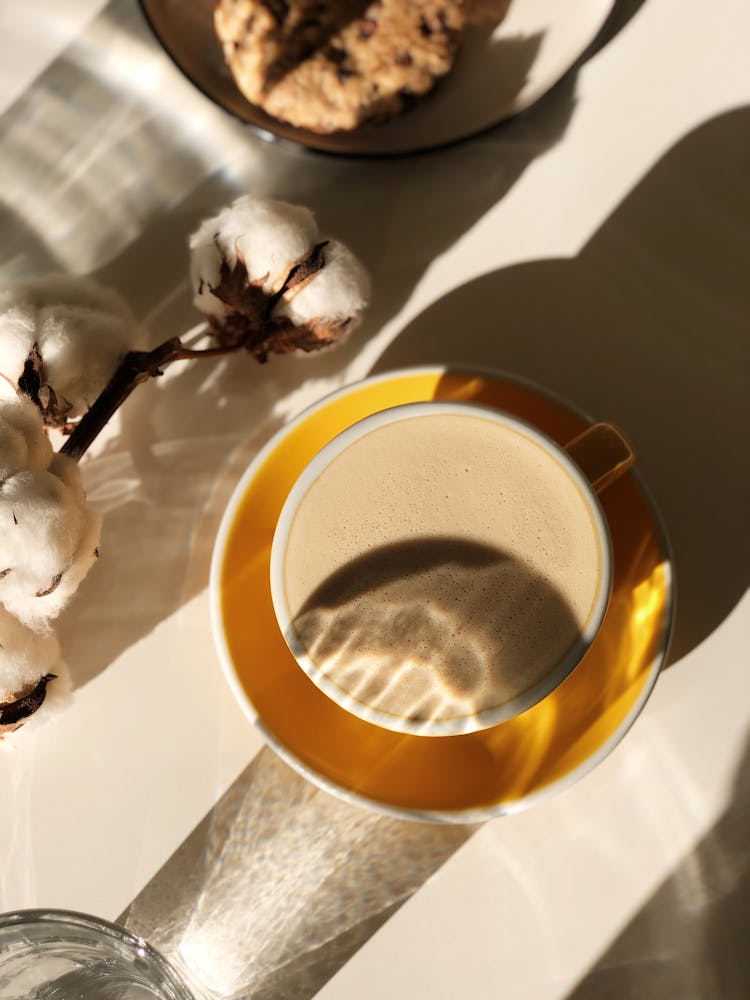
[602, 453]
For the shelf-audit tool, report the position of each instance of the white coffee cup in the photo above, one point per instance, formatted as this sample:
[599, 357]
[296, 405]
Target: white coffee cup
[464, 687]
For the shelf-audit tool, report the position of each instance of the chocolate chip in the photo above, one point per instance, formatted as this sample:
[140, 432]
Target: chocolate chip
[432, 24]
[335, 55]
[403, 59]
[367, 27]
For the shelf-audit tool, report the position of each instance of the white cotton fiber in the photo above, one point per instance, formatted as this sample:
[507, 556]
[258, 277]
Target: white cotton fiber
[338, 291]
[81, 350]
[270, 236]
[81, 331]
[17, 335]
[48, 539]
[23, 442]
[26, 655]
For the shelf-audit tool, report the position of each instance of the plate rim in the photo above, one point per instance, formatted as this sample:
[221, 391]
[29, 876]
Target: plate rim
[282, 133]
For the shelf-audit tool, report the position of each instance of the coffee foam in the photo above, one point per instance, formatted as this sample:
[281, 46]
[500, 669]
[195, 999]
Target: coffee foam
[441, 566]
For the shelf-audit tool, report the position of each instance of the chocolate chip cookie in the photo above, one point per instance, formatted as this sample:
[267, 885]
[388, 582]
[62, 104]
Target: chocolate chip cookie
[330, 66]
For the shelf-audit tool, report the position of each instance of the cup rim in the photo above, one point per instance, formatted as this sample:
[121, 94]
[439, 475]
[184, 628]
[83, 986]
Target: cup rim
[458, 725]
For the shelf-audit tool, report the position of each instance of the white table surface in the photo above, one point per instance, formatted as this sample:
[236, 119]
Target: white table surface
[600, 244]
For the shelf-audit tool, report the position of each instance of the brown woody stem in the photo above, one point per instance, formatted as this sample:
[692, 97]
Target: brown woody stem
[135, 367]
[248, 305]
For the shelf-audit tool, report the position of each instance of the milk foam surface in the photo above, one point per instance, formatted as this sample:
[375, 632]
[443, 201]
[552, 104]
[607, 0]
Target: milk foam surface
[441, 566]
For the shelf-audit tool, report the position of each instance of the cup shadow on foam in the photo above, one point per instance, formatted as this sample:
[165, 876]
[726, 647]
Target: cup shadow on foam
[437, 628]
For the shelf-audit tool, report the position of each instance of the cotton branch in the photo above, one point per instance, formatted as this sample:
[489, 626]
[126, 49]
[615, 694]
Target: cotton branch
[69, 351]
[136, 367]
[251, 320]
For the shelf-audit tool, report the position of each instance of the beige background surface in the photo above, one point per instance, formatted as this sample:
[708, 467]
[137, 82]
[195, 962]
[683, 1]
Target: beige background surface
[599, 243]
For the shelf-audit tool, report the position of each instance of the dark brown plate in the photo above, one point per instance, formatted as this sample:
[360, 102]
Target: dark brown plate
[501, 70]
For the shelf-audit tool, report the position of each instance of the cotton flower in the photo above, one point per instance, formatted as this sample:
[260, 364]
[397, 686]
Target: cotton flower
[23, 443]
[61, 338]
[336, 292]
[264, 277]
[267, 236]
[49, 538]
[267, 282]
[29, 661]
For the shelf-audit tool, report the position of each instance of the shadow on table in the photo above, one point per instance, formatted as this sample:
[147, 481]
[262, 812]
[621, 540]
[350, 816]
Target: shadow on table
[281, 884]
[648, 327]
[622, 12]
[690, 939]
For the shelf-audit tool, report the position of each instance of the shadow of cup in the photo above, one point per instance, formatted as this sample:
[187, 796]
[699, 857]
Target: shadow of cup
[437, 628]
[648, 324]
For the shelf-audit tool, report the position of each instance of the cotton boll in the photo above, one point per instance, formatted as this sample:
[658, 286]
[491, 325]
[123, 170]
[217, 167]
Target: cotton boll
[32, 675]
[79, 331]
[18, 330]
[87, 549]
[336, 293]
[269, 236]
[40, 522]
[81, 349]
[56, 699]
[26, 655]
[68, 472]
[268, 283]
[48, 539]
[46, 607]
[23, 442]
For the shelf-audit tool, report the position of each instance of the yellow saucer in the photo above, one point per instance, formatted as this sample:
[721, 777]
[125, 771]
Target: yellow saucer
[455, 778]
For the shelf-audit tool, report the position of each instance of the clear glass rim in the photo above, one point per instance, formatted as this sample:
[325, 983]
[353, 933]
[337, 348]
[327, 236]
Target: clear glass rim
[62, 919]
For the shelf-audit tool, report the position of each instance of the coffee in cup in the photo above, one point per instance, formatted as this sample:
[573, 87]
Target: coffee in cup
[440, 567]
